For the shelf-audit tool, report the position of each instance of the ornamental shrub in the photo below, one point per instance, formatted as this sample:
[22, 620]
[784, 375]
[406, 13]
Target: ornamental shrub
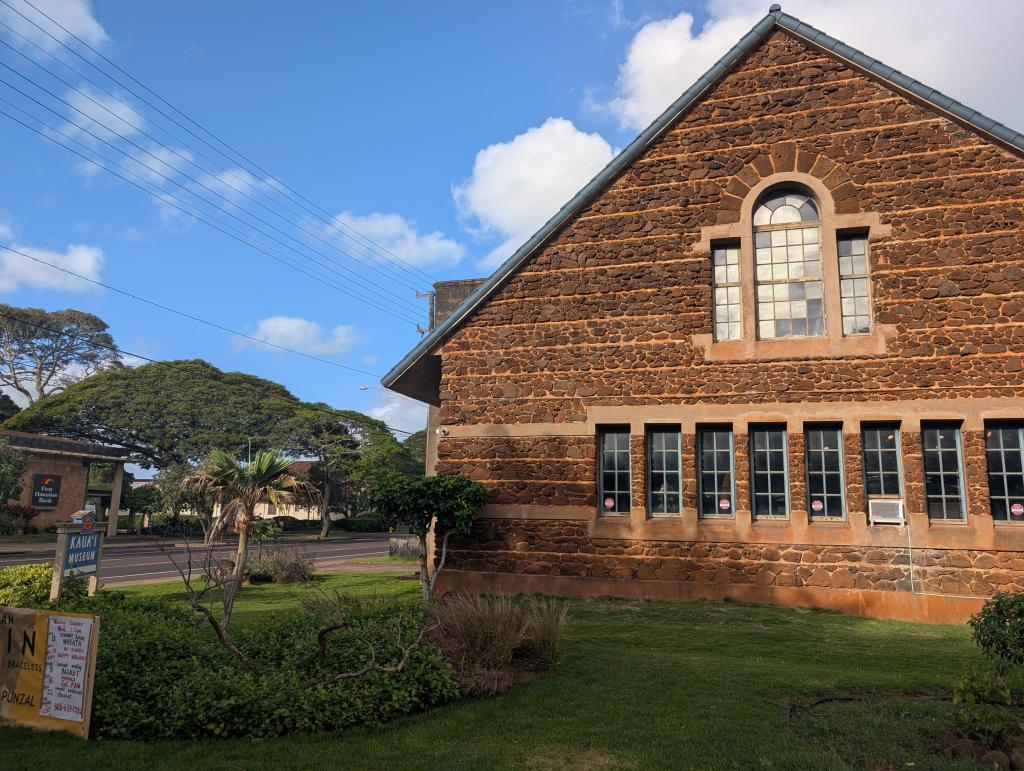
[8, 525]
[494, 642]
[25, 586]
[161, 674]
[998, 628]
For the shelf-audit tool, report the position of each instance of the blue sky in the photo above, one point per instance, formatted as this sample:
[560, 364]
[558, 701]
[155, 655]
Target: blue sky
[445, 131]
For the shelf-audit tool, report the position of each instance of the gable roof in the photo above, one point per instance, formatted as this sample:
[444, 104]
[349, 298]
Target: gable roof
[417, 365]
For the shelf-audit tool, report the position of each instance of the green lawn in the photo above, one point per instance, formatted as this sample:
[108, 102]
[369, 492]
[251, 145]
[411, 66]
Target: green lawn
[640, 685]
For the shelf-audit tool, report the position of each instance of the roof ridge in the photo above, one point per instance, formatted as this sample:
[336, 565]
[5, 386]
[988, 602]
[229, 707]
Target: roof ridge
[775, 18]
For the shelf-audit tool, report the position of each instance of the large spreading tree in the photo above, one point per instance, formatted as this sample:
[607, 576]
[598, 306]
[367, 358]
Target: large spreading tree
[171, 413]
[350, 451]
[43, 352]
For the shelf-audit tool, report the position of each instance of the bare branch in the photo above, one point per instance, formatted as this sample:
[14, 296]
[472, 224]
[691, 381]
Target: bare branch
[195, 599]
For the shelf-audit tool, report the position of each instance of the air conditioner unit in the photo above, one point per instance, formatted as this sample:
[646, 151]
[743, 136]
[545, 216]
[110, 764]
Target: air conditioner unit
[886, 511]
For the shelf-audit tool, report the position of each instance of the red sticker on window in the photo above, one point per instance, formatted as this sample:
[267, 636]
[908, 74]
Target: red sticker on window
[609, 503]
[1017, 509]
[724, 504]
[817, 505]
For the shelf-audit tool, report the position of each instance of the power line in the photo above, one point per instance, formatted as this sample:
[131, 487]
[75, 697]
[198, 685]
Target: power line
[182, 156]
[387, 297]
[330, 221]
[123, 352]
[186, 315]
[176, 203]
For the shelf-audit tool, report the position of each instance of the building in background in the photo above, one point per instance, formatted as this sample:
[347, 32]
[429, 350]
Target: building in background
[56, 481]
[772, 352]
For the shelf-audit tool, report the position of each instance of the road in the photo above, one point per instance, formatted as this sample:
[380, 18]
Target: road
[136, 560]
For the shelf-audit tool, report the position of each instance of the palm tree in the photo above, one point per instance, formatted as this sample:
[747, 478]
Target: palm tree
[238, 487]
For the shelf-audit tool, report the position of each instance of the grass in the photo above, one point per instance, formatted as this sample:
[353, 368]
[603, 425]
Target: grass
[643, 685]
[258, 601]
[387, 560]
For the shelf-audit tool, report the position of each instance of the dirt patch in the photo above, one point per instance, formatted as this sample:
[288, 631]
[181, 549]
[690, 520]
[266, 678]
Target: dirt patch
[569, 760]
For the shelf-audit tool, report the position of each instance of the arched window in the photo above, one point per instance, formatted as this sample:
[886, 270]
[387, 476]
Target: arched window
[787, 262]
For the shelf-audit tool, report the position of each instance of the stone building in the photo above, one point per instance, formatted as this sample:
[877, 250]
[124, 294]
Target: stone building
[56, 478]
[772, 352]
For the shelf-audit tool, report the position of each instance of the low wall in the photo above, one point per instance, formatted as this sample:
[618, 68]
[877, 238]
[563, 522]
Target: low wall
[562, 557]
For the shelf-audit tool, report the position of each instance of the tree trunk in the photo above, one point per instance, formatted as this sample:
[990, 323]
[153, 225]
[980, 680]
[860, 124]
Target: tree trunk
[231, 590]
[325, 512]
[131, 521]
[424, 575]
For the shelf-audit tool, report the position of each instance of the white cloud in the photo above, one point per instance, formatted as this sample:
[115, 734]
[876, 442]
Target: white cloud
[398, 236]
[931, 40]
[6, 233]
[516, 186]
[99, 115]
[74, 15]
[158, 161]
[232, 184]
[399, 412]
[302, 335]
[17, 271]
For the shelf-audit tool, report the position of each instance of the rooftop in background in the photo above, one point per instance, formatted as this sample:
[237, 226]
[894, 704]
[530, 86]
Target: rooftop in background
[56, 445]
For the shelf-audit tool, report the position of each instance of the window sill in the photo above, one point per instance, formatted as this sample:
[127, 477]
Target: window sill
[767, 520]
[715, 520]
[794, 347]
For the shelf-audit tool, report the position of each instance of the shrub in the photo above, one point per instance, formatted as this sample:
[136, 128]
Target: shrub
[8, 526]
[404, 546]
[491, 642]
[25, 586]
[998, 628]
[161, 675]
[22, 515]
[984, 709]
[283, 566]
[545, 626]
[260, 573]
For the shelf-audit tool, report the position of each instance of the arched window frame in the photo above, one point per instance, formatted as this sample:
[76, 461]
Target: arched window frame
[749, 347]
[788, 264]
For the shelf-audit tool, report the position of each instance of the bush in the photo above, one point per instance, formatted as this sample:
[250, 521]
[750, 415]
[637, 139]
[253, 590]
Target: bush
[260, 574]
[404, 546]
[492, 642]
[361, 525]
[161, 675]
[8, 526]
[985, 711]
[998, 628]
[283, 566]
[545, 626]
[25, 586]
[22, 515]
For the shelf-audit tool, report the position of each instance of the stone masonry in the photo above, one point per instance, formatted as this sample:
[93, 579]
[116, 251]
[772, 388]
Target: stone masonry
[614, 315]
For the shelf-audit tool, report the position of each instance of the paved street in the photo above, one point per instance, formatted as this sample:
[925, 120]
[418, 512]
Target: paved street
[138, 560]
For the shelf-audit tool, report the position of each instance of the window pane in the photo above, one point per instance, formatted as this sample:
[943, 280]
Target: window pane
[942, 481]
[1003, 453]
[824, 456]
[726, 275]
[715, 472]
[768, 469]
[614, 473]
[664, 476]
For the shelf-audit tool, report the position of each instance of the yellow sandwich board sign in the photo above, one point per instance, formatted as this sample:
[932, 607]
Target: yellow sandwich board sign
[47, 668]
